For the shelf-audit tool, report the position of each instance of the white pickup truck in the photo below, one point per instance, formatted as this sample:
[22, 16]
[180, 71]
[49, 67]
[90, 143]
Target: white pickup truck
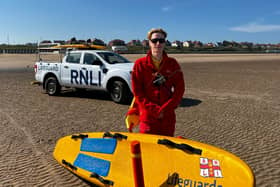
[87, 69]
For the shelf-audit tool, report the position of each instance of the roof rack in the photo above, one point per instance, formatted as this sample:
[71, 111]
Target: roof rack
[79, 46]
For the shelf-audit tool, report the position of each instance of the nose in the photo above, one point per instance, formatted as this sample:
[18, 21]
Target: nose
[158, 43]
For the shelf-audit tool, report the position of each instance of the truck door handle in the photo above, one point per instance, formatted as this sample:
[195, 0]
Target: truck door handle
[66, 67]
[84, 68]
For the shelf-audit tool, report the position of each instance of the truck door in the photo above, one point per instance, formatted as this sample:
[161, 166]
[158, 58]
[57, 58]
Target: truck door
[70, 70]
[91, 74]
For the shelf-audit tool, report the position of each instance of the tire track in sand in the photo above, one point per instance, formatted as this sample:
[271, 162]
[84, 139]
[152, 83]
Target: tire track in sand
[23, 163]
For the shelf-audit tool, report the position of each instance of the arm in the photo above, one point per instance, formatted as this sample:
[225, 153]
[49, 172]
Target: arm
[138, 87]
[179, 89]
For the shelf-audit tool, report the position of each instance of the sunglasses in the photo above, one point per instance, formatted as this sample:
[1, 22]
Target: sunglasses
[160, 40]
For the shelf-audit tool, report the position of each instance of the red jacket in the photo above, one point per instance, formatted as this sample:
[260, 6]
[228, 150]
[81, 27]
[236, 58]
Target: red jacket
[152, 99]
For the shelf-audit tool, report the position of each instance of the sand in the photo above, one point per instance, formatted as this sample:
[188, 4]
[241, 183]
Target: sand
[231, 101]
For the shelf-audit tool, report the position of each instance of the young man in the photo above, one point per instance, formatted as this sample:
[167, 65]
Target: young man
[158, 87]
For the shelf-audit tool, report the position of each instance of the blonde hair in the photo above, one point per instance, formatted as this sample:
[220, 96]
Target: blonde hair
[158, 30]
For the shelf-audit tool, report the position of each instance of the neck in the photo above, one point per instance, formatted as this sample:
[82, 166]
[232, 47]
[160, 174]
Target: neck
[157, 55]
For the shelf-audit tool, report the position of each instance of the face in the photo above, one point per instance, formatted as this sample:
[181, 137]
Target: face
[157, 42]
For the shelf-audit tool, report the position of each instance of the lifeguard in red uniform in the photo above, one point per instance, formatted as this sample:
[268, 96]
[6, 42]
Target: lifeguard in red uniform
[158, 86]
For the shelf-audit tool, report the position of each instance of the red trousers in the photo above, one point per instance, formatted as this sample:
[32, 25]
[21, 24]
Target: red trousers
[164, 126]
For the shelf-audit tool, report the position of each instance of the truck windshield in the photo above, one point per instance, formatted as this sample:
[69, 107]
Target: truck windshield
[113, 58]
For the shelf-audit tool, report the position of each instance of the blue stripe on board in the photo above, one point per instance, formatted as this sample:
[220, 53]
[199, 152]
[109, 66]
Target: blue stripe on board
[92, 164]
[99, 145]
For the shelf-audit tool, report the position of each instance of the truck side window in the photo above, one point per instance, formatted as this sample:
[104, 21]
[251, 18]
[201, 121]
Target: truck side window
[112, 58]
[97, 62]
[73, 58]
[91, 59]
[88, 58]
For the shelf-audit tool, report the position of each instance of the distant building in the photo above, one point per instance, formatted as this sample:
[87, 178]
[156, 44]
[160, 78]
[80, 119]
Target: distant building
[176, 43]
[197, 44]
[145, 43]
[209, 45]
[46, 42]
[72, 41]
[60, 42]
[119, 49]
[96, 41]
[187, 44]
[116, 42]
[167, 43]
[81, 42]
[134, 43]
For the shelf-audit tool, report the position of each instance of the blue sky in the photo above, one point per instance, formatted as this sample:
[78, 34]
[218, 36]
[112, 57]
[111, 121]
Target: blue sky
[23, 21]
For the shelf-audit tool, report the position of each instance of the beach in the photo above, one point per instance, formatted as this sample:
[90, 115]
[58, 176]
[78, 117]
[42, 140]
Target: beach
[231, 101]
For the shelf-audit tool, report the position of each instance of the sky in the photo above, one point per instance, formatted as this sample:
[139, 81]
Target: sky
[25, 21]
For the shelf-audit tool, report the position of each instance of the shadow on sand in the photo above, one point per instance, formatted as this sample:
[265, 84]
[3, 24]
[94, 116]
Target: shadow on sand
[89, 94]
[189, 102]
[102, 95]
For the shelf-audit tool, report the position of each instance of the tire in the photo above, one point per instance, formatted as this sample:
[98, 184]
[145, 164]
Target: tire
[120, 92]
[52, 86]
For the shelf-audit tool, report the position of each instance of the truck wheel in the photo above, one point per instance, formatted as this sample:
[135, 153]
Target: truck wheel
[120, 92]
[52, 86]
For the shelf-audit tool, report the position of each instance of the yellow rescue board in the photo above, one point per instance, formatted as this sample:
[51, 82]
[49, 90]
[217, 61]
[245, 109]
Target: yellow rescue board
[105, 159]
[80, 46]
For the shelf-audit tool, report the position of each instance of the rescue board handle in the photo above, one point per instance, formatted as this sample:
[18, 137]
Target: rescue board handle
[80, 136]
[101, 179]
[115, 135]
[183, 147]
[68, 164]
